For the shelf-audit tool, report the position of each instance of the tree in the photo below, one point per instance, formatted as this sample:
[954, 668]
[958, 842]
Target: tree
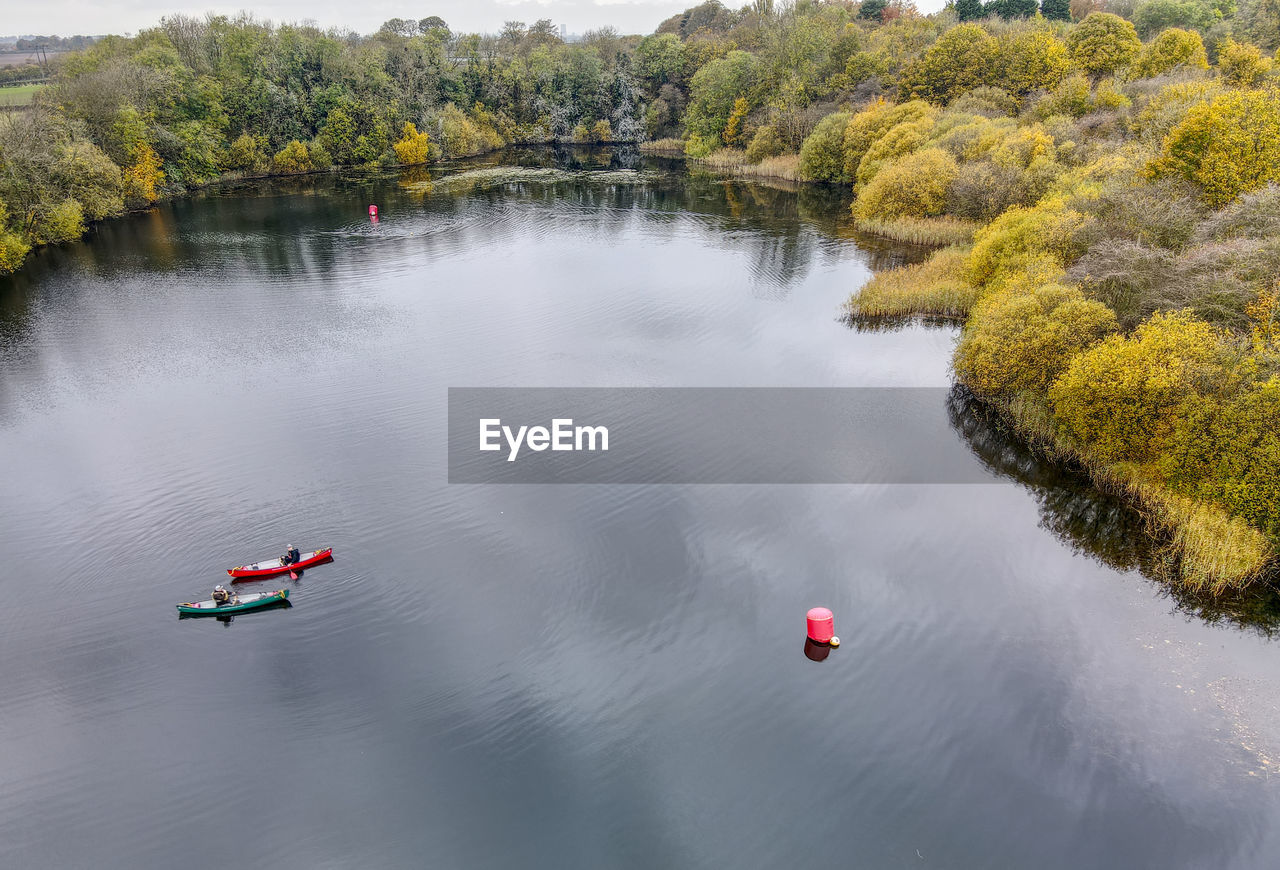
[1056, 10]
[1009, 9]
[1171, 49]
[1153, 16]
[970, 10]
[1229, 146]
[872, 10]
[963, 58]
[715, 89]
[1103, 43]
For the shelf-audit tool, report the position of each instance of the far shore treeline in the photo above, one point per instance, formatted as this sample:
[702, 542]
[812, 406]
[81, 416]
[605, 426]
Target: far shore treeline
[1101, 179]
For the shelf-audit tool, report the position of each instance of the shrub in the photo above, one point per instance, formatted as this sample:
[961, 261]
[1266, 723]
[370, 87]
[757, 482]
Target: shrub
[413, 147]
[245, 155]
[765, 143]
[602, 131]
[915, 186]
[1228, 146]
[1242, 65]
[1048, 235]
[986, 101]
[1103, 44]
[1123, 397]
[1127, 276]
[1019, 342]
[292, 158]
[866, 128]
[981, 191]
[60, 222]
[1171, 49]
[822, 154]
[898, 140]
[962, 59]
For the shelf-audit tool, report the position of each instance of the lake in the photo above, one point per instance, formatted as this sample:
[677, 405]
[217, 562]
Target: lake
[596, 676]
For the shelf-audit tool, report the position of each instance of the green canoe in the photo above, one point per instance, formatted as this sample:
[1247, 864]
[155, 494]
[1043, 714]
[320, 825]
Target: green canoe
[238, 604]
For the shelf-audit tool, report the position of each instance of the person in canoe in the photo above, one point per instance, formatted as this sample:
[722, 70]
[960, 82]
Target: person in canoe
[221, 596]
[291, 557]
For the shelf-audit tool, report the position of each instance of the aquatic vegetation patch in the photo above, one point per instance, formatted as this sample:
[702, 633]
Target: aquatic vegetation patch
[498, 176]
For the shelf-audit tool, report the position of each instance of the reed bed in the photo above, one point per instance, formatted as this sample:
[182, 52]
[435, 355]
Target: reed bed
[663, 147]
[934, 288]
[734, 162]
[921, 231]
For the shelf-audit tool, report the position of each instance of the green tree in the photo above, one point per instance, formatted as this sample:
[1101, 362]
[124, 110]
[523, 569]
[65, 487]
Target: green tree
[969, 10]
[822, 154]
[715, 89]
[1103, 44]
[1056, 10]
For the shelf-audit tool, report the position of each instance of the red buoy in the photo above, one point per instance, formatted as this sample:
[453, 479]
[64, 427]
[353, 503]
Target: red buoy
[821, 624]
[373, 211]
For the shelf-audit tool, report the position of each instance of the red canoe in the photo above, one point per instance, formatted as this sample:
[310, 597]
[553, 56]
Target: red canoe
[271, 567]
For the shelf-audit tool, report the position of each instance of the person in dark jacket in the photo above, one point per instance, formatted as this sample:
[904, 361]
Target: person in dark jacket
[291, 557]
[220, 596]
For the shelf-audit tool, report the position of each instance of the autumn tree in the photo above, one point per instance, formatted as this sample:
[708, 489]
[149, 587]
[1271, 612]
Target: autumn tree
[963, 58]
[1103, 44]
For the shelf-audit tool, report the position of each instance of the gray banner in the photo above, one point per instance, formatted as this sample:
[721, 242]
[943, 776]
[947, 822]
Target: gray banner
[706, 435]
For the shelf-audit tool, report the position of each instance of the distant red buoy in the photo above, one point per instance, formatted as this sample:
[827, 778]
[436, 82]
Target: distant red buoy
[373, 211]
[821, 624]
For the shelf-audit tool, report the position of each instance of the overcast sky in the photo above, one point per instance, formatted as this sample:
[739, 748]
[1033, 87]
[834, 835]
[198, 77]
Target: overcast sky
[67, 17]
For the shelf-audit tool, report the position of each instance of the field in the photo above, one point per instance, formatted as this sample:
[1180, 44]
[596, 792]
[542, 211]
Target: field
[18, 95]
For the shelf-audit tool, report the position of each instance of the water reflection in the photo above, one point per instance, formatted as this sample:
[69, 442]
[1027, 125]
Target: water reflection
[1096, 523]
[816, 652]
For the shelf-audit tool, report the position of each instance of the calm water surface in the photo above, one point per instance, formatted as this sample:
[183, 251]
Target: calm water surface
[572, 676]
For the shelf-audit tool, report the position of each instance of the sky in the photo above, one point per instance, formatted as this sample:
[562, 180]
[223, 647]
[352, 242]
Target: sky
[68, 17]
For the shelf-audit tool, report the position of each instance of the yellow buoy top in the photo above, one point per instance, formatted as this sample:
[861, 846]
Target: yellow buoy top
[835, 641]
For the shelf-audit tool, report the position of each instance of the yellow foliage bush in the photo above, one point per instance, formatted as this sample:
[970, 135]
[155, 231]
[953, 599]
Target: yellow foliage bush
[898, 140]
[142, 180]
[1123, 398]
[1171, 49]
[914, 186]
[413, 147]
[866, 127]
[1228, 146]
[1018, 342]
[292, 158]
[1048, 234]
